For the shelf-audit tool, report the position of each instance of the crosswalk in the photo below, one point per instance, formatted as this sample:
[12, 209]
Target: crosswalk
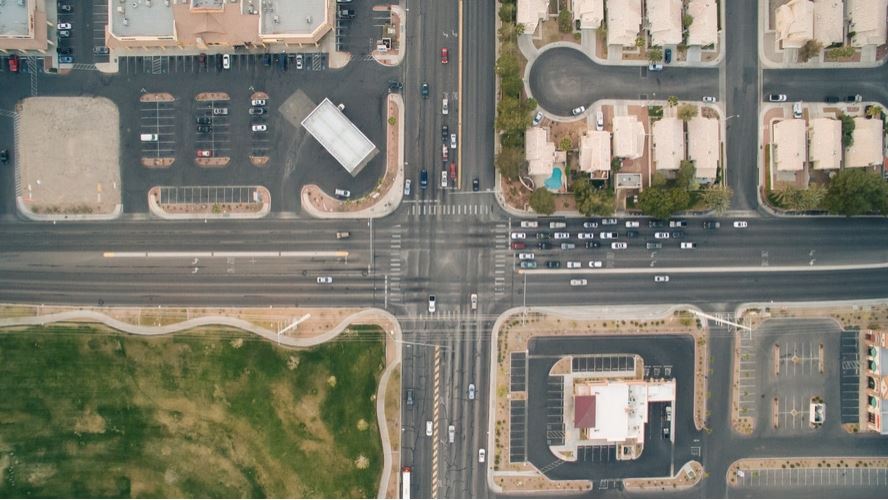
[501, 260]
[394, 293]
[434, 209]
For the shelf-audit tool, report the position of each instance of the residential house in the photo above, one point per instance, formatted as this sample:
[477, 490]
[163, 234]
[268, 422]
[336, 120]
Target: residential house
[595, 153]
[866, 150]
[628, 137]
[788, 145]
[867, 22]
[623, 22]
[668, 143]
[704, 147]
[590, 13]
[795, 23]
[539, 151]
[825, 143]
[664, 17]
[530, 13]
[829, 21]
[703, 30]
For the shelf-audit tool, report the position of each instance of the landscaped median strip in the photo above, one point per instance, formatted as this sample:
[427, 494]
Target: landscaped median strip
[188, 255]
[707, 270]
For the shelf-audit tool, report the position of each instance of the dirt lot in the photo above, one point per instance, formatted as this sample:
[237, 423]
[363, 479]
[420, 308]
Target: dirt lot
[69, 155]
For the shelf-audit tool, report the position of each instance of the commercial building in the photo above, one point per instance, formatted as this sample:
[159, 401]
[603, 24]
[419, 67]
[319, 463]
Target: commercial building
[867, 20]
[876, 372]
[825, 143]
[217, 25]
[628, 137]
[703, 30]
[664, 17]
[595, 153]
[704, 147]
[788, 145]
[829, 21]
[615, 411]
[623, 22]
[668, 143]
[590, 13]
[795, 23]
[23, 26]
[340, 137]
[530, 13]
[866, 150]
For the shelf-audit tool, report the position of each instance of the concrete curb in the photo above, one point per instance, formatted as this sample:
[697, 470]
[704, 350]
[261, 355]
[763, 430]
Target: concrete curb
[386, 60]
[26, 212]
[159, 212]
[150, 331]
[389, 202]
[746, 306]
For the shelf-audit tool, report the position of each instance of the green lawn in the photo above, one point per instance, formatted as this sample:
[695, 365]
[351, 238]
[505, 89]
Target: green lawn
[90, 413]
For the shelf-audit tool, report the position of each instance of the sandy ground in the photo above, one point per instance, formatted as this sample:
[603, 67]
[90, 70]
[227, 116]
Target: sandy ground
[687, 477]
[69, 155]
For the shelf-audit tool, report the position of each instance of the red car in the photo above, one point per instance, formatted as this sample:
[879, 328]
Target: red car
[518, 245]
[204, 153]
[453, 171]
[13, 63]
[444, 54]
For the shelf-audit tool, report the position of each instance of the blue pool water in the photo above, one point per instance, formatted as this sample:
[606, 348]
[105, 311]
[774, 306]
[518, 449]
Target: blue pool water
[553, 183]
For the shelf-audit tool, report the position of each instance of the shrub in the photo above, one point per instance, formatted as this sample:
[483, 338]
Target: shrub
[565, 21]
[542, 201]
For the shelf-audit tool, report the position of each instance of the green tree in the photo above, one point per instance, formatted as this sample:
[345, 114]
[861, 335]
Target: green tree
[686, 176]
[591, 201]
[687, 111]
[809, 50]
[857, 191]
[671, 101]
[686, 21]
[565, 21]
[511, 86]
[640, 41]
[847, 130]
[661, 202]
[510, 162]
[542, 201]
[874, 111]
[507, 13]
[616, 165]
[507, 65]
[655, 54]
[717, 198]
[565, 144]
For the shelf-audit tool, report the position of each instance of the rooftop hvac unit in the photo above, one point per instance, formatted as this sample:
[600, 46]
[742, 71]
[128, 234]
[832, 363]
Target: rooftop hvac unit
[125, 21]
[134, 4]
[308, 19]
[166, 3]
[276, 19]
[119, 9]
[147, 3]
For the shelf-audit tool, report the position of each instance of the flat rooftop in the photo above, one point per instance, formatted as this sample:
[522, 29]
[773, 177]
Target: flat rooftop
[15, 19]
[142, 18]
[340, 137]
[288, 17]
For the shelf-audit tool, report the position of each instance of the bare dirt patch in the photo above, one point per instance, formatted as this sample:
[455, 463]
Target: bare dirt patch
[69, 155]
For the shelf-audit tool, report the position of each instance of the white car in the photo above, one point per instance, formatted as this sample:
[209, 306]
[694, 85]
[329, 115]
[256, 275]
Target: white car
[452, 141]
[226, 61]
[562, 236]
[444, 179]
[661, 278]
[429, 428]
[740, 224]
[342, 193]
[526, 256]
[325, 280]
[632, 223]
[586, 236]
[482, 454]
[655, 67]
[257, 102]
[537, 118]
[529, 223]
[298, 61]
[619, 245]
[557, 224]
[608, 222]
[471, 392]
[687, 245]
[595, 263]
[605, 235]
[710, 99]
[474, 300]
[261, 127]
[661, 235]
[64, 26]
[518, 236]
[444, 105]
[590, 224]
[678, 223]
[578, 282]
[777, 97]
[578, 110]
[407, 184]
[432, 303]
[572, 264]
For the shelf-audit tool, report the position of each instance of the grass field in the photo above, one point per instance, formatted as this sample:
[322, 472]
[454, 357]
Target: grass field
[92, 413]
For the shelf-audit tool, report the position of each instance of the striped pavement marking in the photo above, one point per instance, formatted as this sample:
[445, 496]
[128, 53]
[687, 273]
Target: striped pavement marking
[435, 413]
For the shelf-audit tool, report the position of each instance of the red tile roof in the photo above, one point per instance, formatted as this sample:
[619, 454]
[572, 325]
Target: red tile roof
[584, 412]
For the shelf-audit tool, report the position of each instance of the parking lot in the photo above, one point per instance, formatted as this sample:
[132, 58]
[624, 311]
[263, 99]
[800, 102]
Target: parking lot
[814, 478]
[212, 63]
[213, 133]
[158, 119]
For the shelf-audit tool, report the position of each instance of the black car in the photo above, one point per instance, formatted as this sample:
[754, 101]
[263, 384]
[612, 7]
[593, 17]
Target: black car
[553, 264]
[346, 13]
[423, 178]
[543, 236]
[476, 184]
[204, 120]
[204, 129]
[63, 7]
[65, 51]
[632, 234]
[424, 90]
[678, 234]
[445, 133]
[4, 156]
[831, 99]
[593, 244]
[711, 224]
[667, 55]
[656, 223]
[544, 245]
[395, 85]
[266, 59]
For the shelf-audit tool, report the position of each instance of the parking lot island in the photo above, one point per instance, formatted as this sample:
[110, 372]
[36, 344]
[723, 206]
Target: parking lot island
[157, 142]
[540, 352]
[209, 202]
[387, 195]
[68, 162]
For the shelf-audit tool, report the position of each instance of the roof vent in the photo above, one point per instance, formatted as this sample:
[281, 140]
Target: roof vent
[125, 21]
[276, 20]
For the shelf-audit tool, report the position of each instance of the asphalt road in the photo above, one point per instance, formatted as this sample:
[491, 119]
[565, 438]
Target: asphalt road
[446, 243]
